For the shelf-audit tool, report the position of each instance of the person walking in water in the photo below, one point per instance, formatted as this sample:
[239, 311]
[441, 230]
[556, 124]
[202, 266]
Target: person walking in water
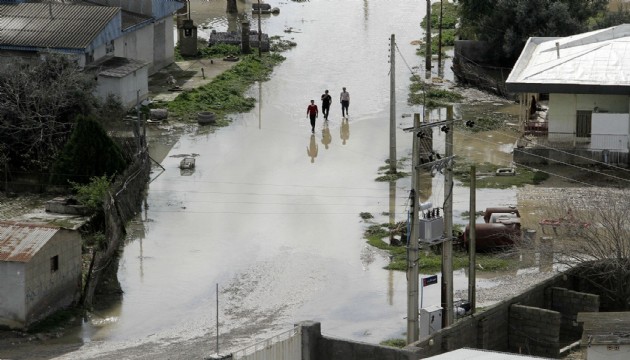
[312, 112]
[326, 100]
[344, 98]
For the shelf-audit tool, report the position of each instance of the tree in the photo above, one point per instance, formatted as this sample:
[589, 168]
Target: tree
[231, 7]
[38, 102]
[507, 24]
[594, 235]
[89, 153]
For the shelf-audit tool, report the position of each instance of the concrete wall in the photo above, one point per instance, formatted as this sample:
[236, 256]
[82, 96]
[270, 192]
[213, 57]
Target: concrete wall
[137, 44]
[488, 329]
[48, 291]
[563, 108]
[534, 331]
[163, 44]
[544, 156]
[130, 88]
[318, 347]
[570, 303]
[12, 291]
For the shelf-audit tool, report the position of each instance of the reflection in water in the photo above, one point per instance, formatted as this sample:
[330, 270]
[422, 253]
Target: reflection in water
[345, 130]
[311, 149]
[260, 105]
[326, 138]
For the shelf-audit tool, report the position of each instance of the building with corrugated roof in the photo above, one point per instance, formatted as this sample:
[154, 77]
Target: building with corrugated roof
[93, 31]
[40, 271]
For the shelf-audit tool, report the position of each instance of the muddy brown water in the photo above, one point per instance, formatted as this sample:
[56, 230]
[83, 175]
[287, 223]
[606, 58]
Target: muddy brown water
[271, 212]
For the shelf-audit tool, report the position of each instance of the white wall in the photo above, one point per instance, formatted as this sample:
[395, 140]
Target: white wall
[137, 44]
[47, 291]
[610, 131]
[563, 109]
[12, 304]
[126, 88]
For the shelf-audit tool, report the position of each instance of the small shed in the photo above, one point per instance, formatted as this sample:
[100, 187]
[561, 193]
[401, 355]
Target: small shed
[40, 271]
[606, 335]
[124, 77]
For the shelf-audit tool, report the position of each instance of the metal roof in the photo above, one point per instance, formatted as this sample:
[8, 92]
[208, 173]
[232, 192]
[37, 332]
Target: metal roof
[593, 62]
[53, 25]
[116, 67]
[20, 242]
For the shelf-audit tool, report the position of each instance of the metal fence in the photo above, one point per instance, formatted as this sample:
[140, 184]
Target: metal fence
[284, 346]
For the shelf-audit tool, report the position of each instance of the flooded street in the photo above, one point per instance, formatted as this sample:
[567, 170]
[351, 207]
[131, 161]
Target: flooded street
[271, 212]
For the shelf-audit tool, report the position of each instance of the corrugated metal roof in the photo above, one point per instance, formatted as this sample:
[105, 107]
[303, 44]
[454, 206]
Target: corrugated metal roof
[20, 242]
[593, 61]
[53, 25]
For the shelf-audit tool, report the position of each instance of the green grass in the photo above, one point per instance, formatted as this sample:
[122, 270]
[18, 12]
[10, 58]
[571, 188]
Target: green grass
[486, 177]
[434, 97]
[224, 94]
[397, 343]
[430, 262]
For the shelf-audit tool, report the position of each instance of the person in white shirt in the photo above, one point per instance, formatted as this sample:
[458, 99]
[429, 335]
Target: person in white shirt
[344, 98]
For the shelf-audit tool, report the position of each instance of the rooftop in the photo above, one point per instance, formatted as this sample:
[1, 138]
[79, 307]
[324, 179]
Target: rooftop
[592, 62]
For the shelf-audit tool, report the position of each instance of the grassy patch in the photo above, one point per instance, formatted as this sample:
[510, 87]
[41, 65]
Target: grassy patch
[421, 93]
[397, 343]
[486, 177]
[366, 216]
[430, 262]
[385, 174]
[224, 95]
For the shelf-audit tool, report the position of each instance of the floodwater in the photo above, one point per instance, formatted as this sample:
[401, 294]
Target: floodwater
[271, 213]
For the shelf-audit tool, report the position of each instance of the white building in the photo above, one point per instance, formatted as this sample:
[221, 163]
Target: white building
[586, 79]
[40, 271]
[92, 31]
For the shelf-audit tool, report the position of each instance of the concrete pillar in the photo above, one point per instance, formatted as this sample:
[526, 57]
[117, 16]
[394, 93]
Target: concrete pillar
[245, 46]
[311, 332]
[546, 253]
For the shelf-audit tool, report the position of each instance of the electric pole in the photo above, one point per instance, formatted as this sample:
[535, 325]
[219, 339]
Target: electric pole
[259, 31]
[392, 106]
[447, 245]
[472, 243]
[440, 41]
[427, 58]
[413, 330]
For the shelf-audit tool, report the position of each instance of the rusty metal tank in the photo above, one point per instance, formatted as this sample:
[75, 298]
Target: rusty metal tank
[502, 228]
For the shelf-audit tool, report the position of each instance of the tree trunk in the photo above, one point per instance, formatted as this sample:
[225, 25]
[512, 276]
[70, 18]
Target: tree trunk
[231, 7]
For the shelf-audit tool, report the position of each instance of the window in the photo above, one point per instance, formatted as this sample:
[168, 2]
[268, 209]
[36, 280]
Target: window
[583, 123]
[54, 263]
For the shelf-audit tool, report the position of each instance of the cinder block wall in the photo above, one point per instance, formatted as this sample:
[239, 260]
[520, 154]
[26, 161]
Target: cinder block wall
[534, 331]
[569, 303]
[489, 328]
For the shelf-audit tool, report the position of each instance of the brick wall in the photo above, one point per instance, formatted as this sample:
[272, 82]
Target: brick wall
[569, 303]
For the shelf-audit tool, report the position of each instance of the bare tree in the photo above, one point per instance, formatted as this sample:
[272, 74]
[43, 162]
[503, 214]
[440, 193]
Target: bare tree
[37, 104]
[593, 232]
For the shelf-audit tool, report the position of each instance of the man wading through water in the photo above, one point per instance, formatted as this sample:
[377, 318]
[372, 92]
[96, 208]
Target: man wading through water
[326, 100]
[312, 112]
[344, 98]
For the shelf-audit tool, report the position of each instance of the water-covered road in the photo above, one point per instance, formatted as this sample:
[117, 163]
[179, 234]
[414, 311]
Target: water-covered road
[271, 213]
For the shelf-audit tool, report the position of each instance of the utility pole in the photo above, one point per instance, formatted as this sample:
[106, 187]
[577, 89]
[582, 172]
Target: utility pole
[413, 330]
[447, 245]
[440, 41]
[472, 241]
[259, 31]
[392, 105]
[427, 57]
